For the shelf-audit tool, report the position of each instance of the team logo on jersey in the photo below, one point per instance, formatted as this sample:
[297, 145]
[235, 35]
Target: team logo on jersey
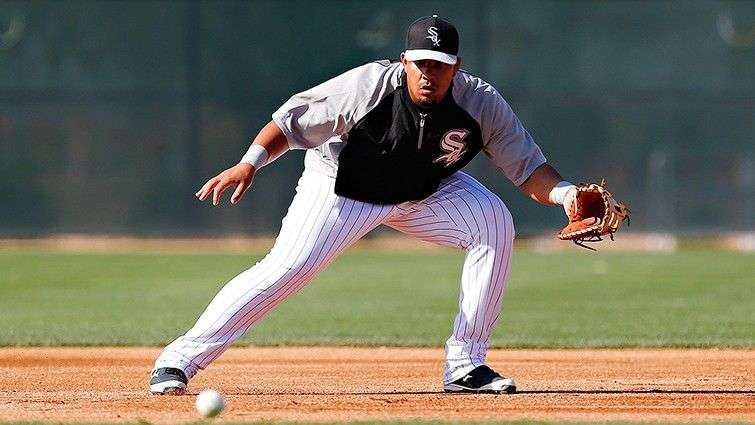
[433, 31]
[454, 146]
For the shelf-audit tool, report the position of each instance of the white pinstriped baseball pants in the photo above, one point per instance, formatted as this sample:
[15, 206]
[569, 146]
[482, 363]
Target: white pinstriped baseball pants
[320, 225]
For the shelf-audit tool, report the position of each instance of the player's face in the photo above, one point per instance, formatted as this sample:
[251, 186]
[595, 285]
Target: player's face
[428, 80]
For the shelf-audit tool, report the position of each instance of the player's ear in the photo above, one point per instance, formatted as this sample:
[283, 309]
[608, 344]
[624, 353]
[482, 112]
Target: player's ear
[458, 63]
[402, 58]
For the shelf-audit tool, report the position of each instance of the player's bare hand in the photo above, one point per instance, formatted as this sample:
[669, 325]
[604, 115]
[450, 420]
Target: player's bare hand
[240, 175]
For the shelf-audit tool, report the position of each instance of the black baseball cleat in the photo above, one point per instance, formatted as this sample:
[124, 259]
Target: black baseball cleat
[481, 379]
[168, 380]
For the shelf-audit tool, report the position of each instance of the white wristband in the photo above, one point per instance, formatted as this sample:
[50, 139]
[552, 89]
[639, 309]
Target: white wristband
[256, 156]
[558, 193]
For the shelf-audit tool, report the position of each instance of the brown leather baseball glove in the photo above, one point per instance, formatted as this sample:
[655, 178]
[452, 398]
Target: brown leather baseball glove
[593, 213]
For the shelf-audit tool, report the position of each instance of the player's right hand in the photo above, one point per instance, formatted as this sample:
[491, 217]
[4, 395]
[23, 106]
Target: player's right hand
[240, 175]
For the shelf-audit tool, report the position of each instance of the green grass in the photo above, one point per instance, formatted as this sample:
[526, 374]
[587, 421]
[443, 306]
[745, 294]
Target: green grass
[578, 299]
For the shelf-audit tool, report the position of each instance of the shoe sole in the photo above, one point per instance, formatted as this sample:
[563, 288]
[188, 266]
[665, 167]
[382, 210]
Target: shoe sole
[168, 388]
[509, 388]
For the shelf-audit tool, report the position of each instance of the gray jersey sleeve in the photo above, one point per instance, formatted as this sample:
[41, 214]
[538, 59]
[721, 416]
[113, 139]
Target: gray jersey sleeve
[509, 145]
[311, 118]
[505, 140]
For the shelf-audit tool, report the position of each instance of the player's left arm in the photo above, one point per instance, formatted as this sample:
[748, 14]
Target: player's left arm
[592, 211]
[542, 183]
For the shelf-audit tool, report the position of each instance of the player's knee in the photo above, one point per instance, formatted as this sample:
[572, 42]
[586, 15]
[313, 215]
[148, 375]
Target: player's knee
[508, 222]
[499, 222]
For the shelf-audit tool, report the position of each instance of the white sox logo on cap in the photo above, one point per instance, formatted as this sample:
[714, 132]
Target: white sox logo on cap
[433, 31]
[452, 143]
[432, 38]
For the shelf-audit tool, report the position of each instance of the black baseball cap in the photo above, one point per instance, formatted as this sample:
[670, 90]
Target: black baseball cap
[433, 38]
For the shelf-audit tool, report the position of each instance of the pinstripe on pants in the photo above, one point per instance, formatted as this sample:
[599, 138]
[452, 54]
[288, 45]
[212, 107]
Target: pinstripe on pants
[320, 225]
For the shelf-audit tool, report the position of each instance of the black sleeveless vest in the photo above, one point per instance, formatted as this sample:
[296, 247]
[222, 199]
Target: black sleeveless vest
[398, 152]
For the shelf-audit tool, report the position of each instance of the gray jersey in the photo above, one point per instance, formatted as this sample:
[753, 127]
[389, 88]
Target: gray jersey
[318, 119]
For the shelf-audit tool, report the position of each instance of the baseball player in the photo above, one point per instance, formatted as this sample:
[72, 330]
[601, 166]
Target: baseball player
[385, 145]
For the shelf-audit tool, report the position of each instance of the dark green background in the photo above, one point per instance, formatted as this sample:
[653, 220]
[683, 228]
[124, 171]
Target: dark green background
[113, 113]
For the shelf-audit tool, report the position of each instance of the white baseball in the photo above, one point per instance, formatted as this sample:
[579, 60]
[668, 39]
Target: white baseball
[210, 403]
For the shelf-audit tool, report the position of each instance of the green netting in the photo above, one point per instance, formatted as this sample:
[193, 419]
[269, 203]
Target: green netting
[113, 113]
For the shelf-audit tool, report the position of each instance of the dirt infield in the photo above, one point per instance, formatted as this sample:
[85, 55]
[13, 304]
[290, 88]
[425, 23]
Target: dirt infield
[321, 383]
